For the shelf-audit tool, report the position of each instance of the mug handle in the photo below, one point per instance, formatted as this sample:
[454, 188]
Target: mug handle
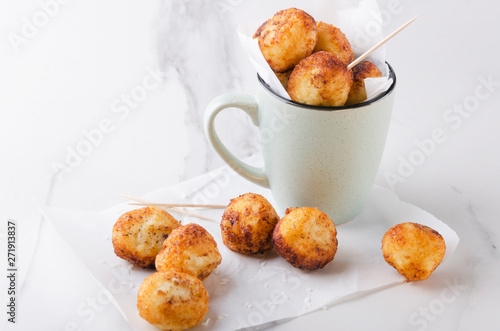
[248, 104]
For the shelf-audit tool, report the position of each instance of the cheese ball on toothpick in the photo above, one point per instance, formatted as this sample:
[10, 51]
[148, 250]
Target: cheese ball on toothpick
[360, 72]
[333, 40]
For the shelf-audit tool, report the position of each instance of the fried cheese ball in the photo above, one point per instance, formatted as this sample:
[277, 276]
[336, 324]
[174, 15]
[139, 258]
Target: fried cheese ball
[286, 38]
[190, 249]
[139, 234]
[363, 70]
[172, 300]
[284, 77]
[333, 40]
[247, 224]
[414, 250]
[320, 79]
[306, 238]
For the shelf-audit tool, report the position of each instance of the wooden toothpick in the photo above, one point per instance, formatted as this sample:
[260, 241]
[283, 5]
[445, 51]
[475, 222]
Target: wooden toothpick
[181, 205]
[380, 43]
[142, 202]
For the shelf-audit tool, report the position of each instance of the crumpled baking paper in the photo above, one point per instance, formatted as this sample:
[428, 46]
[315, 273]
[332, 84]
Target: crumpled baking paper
[249, 290]
[360, 21]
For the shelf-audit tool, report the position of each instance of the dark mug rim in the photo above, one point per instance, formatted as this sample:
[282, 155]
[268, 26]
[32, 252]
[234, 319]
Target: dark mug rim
[330, 108]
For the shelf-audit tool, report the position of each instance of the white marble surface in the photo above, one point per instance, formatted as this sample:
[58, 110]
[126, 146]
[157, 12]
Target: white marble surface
[111, 95]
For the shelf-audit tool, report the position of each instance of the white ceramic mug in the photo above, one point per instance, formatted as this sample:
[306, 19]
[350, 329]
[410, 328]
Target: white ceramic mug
[323, 157]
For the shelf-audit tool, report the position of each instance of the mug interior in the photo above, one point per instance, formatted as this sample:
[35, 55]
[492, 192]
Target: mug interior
[327, 108]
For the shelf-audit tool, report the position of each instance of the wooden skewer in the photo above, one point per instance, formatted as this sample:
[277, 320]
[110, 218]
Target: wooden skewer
[142, 202]
[380, 43]
[185, 205]
[188, 213]
[172, 205]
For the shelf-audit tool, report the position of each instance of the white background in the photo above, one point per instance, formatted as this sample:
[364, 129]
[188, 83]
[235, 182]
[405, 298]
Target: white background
[68, 68]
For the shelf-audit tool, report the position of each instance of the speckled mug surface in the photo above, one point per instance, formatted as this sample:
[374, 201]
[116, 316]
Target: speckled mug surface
[323, 157]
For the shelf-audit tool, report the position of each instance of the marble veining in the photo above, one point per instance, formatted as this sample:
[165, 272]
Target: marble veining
[198, 39]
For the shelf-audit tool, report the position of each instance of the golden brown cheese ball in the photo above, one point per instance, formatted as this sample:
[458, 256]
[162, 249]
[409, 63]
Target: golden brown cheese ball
[306, 238]
[333, 40]
[172, 300]
[189, 249]
[139, 234]
[283, 78]
[286, 38]
[363, 70]
[320, 79]
[414, 250]
[247, 224]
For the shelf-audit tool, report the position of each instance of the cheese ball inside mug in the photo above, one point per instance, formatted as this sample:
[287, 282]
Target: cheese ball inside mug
[189, 249]
[172, 300]
[286, 38]
[320, 79]
[306, 238]
[283, 78]
[414, 250]
[138, 235]
[333, 40]
[363, 70]
[247, 224]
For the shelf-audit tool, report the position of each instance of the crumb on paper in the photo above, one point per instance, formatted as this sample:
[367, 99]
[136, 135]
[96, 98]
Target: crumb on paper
[248, 305]
[283, 279]
[222, 316]
[307, 299]
[205, 323]
[223, 281]
[126, 284]
[263, 264]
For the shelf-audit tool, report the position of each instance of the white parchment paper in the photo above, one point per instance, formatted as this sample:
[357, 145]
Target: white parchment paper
[249, 290]
[359, 20]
